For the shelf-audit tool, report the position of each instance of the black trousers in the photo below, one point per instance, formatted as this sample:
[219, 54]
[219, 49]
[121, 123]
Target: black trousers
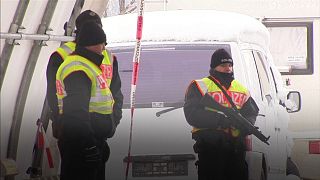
[73, 166]
[221, 158]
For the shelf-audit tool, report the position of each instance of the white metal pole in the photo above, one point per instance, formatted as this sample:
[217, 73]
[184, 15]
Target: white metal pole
[35, 37]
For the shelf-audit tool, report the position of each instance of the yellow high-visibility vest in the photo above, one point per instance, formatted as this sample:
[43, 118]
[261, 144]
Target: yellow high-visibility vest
[106, 66]
[238, 93]
[101, 100]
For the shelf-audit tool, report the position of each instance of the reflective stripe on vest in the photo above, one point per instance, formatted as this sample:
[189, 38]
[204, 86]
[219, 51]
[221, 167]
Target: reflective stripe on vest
[238, 93]
[101, 100]
[106, 65]
[66, 49]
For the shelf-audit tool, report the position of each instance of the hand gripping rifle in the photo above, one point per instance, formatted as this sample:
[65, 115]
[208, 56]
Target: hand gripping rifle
[234, 115]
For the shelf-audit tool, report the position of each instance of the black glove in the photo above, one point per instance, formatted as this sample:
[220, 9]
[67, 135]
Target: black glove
[92, 155]
[105, 152]
[113, 127]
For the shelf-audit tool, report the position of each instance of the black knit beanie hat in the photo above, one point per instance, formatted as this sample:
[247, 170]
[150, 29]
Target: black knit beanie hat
[90, 34]
[220, 56]
[85, 16]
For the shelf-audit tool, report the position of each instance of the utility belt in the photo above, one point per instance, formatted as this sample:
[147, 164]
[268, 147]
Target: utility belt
[234, 132]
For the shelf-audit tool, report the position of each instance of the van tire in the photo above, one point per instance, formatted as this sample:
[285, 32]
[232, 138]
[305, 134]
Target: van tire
[292, 168]
[262, 175]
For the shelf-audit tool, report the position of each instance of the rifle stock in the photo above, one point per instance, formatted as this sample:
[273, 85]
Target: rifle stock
[238, 119]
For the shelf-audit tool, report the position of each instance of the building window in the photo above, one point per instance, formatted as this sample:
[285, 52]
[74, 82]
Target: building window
[291, 46]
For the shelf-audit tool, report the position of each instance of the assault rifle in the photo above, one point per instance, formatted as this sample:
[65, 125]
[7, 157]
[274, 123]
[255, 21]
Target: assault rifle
[234, 115]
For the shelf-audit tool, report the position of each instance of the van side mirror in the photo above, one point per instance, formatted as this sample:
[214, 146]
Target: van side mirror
[293, 102]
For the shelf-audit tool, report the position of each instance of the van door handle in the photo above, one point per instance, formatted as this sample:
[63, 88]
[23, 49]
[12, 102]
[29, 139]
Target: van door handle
[262, 115]
[269, 98]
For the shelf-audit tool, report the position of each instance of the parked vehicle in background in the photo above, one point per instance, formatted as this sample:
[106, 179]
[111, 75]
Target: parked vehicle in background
[296, 52]
[176, 49]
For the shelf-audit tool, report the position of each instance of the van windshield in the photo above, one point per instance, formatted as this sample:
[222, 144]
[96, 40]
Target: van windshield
[165, 71]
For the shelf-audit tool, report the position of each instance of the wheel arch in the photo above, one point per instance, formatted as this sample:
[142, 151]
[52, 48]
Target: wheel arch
[256, 164]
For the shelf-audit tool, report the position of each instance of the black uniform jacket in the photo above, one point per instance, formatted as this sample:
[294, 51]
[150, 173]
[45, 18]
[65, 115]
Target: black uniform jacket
[78, 123]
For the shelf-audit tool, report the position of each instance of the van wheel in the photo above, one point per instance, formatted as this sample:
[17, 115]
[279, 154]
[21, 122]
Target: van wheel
[292, 168]
[262, 175]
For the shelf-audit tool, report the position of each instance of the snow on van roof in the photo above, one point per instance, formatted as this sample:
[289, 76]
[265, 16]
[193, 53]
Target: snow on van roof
[187, 26]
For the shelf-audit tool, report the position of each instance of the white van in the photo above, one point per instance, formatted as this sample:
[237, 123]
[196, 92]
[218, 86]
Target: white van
[176, 48]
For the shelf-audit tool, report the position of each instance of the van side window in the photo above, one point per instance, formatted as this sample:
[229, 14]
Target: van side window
[252, 77]
[263, 75]
[274, 80]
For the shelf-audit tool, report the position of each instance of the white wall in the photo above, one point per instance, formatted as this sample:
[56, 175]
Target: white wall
[97, 6]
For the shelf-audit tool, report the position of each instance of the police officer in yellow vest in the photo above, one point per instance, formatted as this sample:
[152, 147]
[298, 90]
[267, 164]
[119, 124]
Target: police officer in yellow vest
[86, 104]
[220, 146]
[108, 66]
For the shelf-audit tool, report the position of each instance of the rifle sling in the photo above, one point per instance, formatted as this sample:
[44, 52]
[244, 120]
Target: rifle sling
[234, 107]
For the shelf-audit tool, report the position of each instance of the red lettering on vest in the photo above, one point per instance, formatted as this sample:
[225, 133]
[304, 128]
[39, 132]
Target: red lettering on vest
[106, 71]
[102, 82]
[237, 97]
[59, 87]
[217, 96]
[241, 99]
